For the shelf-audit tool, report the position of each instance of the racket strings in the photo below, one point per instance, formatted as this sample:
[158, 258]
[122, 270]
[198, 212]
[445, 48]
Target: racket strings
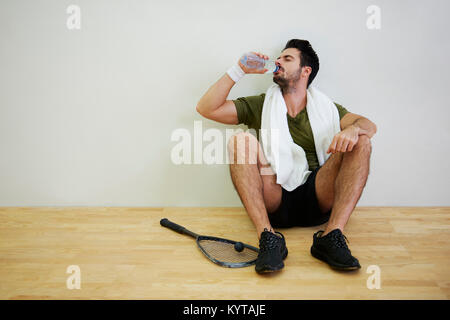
[225, 252]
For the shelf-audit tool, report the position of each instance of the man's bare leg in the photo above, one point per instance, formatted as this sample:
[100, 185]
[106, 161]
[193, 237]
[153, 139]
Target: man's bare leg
[259, 194]
[349, 184]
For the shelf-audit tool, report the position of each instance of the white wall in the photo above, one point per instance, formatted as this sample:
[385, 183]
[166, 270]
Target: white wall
[86, 116]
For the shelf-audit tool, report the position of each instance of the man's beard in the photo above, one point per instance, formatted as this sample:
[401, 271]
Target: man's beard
[286, 83]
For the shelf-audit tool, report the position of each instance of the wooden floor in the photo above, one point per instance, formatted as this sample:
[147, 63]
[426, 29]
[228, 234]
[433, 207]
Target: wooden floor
[124, 253]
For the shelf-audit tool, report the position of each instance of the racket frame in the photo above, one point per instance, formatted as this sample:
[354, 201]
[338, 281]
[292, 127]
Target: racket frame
[180, 229]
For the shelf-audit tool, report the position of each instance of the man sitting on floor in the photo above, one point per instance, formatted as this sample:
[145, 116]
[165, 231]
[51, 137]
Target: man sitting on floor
[313, 184]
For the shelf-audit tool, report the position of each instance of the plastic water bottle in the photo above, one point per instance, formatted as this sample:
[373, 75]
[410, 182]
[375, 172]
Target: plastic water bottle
[252, 61]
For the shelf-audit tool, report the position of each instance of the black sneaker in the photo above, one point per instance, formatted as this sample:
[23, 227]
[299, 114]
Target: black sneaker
[332, 249]
[272, 252]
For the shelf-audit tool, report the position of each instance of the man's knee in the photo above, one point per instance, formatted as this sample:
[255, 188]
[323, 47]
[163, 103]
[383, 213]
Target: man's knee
[240, 137]
[243, 146]
[364, 143]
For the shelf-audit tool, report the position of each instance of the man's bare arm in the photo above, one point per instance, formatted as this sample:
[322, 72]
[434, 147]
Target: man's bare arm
[365, 126]
[214, 106]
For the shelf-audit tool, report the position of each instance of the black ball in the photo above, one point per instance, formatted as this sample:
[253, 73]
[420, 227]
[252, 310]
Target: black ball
[239, 246]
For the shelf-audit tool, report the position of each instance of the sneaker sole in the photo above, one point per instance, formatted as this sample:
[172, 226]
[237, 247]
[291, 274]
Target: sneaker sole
[268, 269]
[335, 265]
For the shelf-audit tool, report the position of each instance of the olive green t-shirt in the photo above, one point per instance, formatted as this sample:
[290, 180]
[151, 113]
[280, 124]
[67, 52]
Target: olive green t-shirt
[249, 111]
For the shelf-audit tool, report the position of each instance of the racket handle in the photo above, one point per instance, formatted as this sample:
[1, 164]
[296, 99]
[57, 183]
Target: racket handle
[171, 225]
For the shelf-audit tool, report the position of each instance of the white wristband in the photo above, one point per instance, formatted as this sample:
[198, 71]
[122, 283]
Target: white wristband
[236, 73]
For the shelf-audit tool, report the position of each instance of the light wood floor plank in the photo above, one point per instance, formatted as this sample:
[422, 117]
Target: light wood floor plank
[124, 253]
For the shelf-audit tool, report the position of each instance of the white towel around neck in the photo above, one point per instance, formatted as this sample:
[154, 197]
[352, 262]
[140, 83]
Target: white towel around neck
[287, 159]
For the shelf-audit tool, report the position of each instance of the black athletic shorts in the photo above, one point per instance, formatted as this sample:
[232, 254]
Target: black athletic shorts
[299, 207]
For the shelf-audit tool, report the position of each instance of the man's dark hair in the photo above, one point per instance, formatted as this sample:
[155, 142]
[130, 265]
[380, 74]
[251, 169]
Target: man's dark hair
[308, 56]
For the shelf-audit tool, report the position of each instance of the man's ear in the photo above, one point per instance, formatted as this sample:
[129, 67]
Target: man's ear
[306, 71]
